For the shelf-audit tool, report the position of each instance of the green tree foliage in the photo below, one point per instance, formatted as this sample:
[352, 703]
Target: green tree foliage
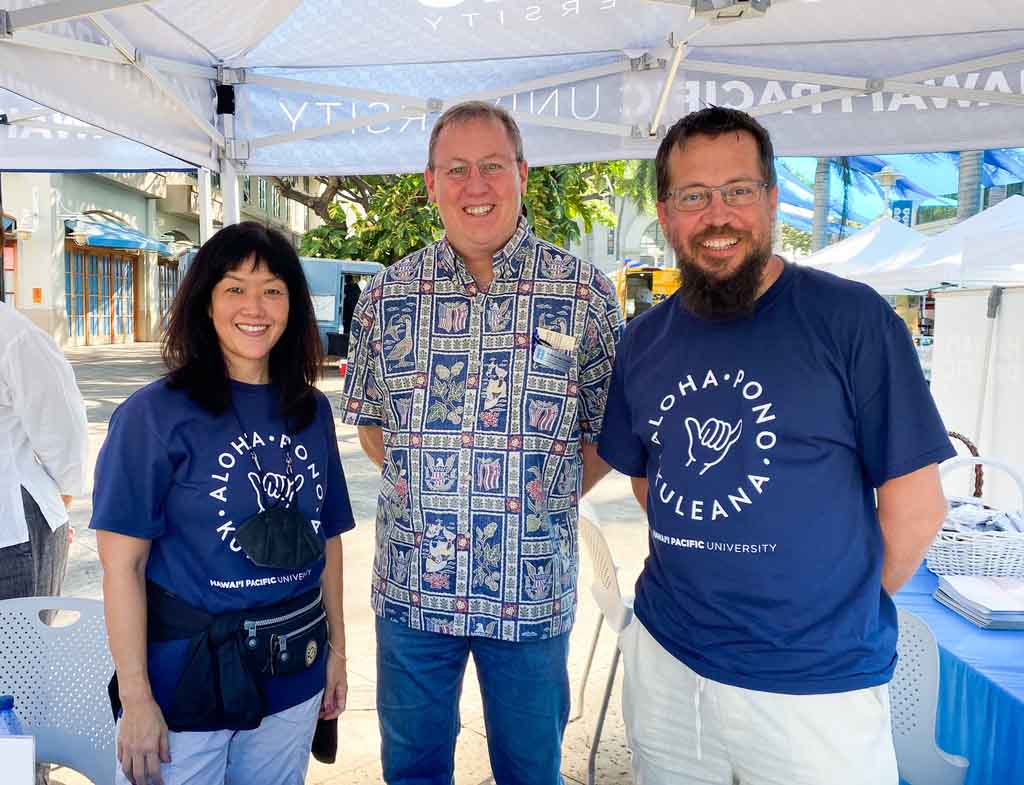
[633, 181]
[559, 196]
[795, 240]
[394, 217]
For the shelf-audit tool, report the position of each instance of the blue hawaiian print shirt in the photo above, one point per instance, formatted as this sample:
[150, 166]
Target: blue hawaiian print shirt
[484, 398]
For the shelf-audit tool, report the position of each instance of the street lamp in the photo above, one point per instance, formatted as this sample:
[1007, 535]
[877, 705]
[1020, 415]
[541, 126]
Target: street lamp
[887, 178]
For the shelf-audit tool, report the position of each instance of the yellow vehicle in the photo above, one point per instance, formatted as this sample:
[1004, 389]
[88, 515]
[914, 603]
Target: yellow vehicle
[641, 288]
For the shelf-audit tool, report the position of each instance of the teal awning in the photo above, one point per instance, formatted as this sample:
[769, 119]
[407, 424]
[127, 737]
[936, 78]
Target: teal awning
[109, 234]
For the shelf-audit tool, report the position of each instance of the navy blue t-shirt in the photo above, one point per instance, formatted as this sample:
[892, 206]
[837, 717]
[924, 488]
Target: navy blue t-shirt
[763, 440]
[173, 473]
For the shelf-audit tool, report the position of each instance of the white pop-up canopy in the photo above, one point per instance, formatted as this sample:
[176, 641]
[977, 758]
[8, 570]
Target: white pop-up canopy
[872, 247]
[347, 86]
[997, 258]
[940, 261]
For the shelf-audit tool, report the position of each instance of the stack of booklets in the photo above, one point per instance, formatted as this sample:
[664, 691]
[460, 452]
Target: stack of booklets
[992, 603]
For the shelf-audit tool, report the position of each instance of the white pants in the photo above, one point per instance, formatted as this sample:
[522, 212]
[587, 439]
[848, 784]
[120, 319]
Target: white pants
[684, 729]
[275, 753]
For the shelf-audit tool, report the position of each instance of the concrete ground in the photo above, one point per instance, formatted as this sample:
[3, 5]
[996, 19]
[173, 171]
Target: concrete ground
[107, 375]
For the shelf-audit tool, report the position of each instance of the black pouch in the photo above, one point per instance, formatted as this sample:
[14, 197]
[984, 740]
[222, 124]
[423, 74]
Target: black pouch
[288, 643]
[281, 538]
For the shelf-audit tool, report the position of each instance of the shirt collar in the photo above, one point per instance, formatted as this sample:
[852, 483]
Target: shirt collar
[508, 261]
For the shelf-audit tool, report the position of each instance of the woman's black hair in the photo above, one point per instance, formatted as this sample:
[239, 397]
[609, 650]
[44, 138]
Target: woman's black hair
[191, 350]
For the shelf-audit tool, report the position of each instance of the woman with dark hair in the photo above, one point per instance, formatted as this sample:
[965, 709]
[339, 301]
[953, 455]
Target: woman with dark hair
[219, 502]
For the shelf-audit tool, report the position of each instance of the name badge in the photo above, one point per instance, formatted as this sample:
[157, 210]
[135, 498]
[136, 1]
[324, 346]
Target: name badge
[549, 358]
[566, 344]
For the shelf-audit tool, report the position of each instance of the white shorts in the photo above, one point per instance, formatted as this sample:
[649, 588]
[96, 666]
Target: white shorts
[683, 728]
[275, 753]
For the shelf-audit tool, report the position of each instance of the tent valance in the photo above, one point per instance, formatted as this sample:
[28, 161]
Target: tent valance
[345, 86]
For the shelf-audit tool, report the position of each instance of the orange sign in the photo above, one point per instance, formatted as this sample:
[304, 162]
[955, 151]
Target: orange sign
[37, 295]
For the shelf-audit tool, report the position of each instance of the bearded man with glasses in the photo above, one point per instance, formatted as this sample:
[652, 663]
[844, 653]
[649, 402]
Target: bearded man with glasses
[783, 443]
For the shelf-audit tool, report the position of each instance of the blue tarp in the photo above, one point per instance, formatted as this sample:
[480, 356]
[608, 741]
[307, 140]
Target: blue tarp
[108, 234]
[924, 178]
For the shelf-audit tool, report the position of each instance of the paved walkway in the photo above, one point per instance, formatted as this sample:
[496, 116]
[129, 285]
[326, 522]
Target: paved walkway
[107, 375]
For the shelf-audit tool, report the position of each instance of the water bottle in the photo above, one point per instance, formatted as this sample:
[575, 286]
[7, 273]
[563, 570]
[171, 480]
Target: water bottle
[9, 723]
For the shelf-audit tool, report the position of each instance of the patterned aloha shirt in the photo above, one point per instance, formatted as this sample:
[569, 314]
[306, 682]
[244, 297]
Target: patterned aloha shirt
[482, 421]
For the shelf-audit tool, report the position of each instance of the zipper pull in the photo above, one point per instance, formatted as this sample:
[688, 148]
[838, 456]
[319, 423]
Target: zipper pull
[251, 642]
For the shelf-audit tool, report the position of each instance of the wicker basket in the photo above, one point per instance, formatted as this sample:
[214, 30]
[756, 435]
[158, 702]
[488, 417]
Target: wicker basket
[992, 554]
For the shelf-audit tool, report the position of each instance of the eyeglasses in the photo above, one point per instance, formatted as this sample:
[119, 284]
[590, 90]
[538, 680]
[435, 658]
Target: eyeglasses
[694, 198]
[488, 168]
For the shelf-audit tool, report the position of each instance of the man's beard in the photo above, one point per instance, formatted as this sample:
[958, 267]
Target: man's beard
[717, 299]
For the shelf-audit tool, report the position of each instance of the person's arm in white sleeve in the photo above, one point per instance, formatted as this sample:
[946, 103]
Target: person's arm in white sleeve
[49, 404]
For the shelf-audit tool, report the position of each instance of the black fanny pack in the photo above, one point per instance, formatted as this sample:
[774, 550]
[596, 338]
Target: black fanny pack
[230, 657]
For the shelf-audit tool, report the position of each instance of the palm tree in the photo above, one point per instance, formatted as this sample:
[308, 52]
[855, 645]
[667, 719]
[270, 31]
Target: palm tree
[969, 191]
[822, 182]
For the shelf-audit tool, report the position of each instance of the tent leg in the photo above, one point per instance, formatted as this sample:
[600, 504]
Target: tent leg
[205, 206]
[229, 190]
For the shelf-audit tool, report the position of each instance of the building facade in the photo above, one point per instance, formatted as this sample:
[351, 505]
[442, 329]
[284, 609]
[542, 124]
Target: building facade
[93, 258]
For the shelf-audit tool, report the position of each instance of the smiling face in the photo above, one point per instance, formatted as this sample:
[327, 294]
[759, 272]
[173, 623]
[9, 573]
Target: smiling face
[249, 309]
[478, 187]
[718, 238]
[723, 252]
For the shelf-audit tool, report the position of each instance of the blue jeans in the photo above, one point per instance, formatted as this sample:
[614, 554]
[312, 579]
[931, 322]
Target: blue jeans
[525, 690]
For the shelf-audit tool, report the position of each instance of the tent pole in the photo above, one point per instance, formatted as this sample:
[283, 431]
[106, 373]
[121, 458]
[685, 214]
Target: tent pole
[233, 150]
[980, 63]
[205, 205]
[666, 89]
[229, 192]
[622, 66]
[859, 84]
[65, 11]
[133, 57]
[105, 54]
[415, 102]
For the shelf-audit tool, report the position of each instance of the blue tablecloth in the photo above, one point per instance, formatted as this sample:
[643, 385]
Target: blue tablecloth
[981, 690]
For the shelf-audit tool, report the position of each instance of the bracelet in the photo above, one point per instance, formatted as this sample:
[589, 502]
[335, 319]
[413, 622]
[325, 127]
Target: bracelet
[335, 652]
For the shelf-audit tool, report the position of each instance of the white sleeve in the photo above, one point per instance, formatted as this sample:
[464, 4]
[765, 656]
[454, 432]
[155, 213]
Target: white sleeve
[46, 399]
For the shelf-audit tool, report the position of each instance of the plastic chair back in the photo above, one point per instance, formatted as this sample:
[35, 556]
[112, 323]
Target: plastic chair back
[913, 694]
[606, 581]
[58, 677]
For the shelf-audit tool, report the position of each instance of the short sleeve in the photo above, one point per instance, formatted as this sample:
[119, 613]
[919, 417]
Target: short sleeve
[362, 399]
[597, 356]
[899, 429]
[620, 447]
[134, 473]
[336, 515]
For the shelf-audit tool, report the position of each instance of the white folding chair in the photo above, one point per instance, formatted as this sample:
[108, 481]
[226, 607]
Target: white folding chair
[914, 693]
[615, 609]
[58, 677]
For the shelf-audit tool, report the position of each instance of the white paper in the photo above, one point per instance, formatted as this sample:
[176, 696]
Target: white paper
[18, 759]
[990, 595]
[325, 307]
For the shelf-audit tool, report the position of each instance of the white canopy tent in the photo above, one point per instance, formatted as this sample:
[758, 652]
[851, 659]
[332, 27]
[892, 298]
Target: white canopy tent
[872, 247]
[940, 261]
[995, 259]
[345, 86]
